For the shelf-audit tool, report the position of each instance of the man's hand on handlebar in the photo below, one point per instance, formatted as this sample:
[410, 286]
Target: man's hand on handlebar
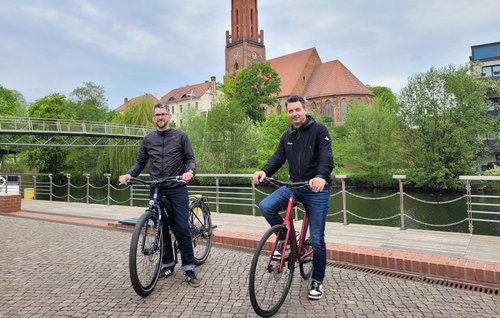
[258, 177]
[317, 184]
[123, 179]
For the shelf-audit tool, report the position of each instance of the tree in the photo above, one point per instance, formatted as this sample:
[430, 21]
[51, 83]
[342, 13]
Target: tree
[270, 132]
[371, 141]
[231, 139]
[445, 112]
[118, 160]
[252, 87]
[11, 103]
[89, 102]
[49, 159]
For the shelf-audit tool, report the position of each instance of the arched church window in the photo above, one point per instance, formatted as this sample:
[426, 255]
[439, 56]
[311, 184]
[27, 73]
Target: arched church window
[328, 108]
[343, 109]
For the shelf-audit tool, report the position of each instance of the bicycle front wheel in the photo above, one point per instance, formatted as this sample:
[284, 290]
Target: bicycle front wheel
[200, 224]
[268, 285]
[146, 248]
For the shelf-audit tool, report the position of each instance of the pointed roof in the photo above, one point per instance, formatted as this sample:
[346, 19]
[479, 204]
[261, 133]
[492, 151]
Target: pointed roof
[127, 101]
[333, 78]
[184, 92]
[290, 67]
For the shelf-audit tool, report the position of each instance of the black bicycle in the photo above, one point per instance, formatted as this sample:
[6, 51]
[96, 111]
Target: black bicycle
[146, 246]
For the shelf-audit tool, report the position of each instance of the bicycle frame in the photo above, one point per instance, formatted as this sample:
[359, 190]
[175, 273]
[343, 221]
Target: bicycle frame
[289, 224]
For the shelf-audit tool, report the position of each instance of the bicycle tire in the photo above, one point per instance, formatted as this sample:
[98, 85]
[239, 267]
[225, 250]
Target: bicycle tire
[268, 289]
[144, 257]
[305, 265]
[200, 224]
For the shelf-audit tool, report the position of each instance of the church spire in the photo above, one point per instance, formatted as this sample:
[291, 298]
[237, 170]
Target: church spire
[245, 43]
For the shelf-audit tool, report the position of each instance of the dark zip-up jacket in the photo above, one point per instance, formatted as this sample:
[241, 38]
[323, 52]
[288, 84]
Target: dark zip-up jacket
[308, 150]
[169, 153]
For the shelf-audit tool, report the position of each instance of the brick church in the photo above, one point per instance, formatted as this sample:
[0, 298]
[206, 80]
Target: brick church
[329, 87]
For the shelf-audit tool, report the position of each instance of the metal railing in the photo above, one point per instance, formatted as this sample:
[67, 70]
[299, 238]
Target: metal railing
[26, 131]
[480, 207]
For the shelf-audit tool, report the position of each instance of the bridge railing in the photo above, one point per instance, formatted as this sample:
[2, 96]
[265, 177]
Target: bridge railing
[245, 196]
[20, 125]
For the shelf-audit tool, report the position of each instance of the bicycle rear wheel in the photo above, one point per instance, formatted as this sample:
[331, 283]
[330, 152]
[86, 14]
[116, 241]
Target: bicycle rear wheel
[200, 224]
[268, 287]
[145, 254]
[306, 255]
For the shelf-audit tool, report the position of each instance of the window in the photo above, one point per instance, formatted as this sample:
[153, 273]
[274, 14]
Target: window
[196, 105]
[343, 109]
[328, 108]
[491, 71]
[173, 109]
[180, 110]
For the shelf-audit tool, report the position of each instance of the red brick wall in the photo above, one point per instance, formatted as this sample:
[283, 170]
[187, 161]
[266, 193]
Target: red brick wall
[10, 203]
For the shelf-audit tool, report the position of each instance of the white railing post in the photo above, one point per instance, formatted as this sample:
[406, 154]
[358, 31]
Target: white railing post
[69, 186]
[342, 178]
[108, 177]
[34, 187]
[400, 179]
[50, 186]
[217, 194]
[87, 176]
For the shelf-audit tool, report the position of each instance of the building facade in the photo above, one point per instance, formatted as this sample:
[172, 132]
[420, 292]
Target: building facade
[329, 87]
[486, 61]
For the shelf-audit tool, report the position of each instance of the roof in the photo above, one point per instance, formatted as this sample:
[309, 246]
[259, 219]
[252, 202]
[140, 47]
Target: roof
[333, 78]
[291, 66]
[127, 101]
[197, 90]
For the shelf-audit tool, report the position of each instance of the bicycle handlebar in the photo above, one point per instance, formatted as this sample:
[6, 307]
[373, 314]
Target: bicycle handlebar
[288, 184]
[156, 183]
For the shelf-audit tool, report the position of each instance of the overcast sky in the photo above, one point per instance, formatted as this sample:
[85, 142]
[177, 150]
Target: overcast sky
[135, 47]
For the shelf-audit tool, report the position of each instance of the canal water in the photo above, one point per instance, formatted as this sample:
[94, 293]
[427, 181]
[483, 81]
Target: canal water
[450, 217]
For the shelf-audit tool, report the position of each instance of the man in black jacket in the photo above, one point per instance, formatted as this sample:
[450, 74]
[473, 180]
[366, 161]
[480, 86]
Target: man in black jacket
[307, 147]
[170, 153]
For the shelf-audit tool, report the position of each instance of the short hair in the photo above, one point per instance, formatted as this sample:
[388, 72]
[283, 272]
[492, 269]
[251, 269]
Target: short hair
[162, 105]
[294, 99]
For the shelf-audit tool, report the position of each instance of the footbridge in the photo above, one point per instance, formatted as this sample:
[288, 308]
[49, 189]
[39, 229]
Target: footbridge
[25, 131]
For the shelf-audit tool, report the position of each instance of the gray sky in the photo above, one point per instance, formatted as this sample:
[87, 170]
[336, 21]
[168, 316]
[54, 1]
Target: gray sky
[136, 47]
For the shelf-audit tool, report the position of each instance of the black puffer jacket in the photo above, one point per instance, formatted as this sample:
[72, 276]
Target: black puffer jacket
[308, 150]
[169, 153]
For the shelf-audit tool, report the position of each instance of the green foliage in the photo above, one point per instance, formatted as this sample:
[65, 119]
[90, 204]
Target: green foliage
[49, 159]
[370, 141]
[385, 97]
[89, 102]
[11, 103]
[271, 131]
[52, 106]
[445, 113]
[252, 87]
[117, 160]
[231, 139]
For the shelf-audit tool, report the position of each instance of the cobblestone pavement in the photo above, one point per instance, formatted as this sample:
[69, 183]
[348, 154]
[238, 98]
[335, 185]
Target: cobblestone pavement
[53, 269]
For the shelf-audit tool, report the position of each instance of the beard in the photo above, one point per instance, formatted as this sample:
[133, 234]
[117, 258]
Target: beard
[161, 124]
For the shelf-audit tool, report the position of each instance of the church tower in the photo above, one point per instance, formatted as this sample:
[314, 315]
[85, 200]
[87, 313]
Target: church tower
[245, 43]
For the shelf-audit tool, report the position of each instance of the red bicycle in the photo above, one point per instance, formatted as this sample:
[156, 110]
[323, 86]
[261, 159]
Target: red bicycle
[271, 273]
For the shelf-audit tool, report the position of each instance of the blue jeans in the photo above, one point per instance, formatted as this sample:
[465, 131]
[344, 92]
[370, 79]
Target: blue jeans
[178, 221]
[316, 204]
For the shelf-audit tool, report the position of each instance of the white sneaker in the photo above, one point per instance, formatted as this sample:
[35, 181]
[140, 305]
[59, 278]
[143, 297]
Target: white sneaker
[279, 248]
[316, 291]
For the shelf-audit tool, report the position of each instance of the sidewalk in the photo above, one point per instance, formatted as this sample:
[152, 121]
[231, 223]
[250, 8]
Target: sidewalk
[452, 256]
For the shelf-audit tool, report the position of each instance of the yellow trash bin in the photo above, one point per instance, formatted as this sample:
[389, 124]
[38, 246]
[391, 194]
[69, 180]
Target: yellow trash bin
[29, 193]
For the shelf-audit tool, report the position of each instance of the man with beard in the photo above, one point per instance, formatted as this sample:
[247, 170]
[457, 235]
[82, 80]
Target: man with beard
[170, 153]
